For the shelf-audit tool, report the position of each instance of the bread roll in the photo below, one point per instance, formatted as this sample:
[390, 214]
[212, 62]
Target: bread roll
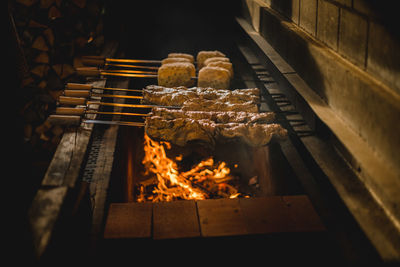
[182, 55]
[214, 59]
[214, 77]
[174, 59]
[225, 65]
[176, 74]
[203, 55]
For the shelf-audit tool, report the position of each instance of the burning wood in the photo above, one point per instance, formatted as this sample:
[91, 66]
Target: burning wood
[205, 180]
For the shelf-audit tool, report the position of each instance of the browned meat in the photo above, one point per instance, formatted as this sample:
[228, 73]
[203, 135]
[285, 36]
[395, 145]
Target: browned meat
[176, 96]
[182, 131]
[213, 105]
[215, 116]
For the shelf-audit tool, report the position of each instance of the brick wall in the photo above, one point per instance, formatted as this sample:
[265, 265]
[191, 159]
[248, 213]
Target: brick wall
[362, 31]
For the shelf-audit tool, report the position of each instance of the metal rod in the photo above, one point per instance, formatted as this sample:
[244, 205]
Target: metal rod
[123, 60]
[128, 105]
[117, 96]
[131, 66]
[131, 71]
[116, 113]
[79, 86]
[105, 73]
[118, 89]
[122, 123]
[80, 111]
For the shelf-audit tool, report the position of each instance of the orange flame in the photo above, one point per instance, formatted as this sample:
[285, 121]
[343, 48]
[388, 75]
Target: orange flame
[171, 184]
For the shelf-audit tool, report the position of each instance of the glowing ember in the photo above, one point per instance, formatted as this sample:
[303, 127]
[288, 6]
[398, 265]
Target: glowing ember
[203, 180]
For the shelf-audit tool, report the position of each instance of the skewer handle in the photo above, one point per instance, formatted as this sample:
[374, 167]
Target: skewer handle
[64, 120]
[88, 71]
[70, 111]
[92, 61]
[77, 93]
[79, 86]
[67, 100]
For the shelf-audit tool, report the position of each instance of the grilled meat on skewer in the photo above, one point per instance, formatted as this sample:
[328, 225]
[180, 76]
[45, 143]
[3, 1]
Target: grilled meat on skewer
[182, 131]
[215, 116]
[176, 96]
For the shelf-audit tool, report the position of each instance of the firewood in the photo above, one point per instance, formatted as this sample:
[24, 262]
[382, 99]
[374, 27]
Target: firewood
[48, 33]
[55, 94]
[42, 84]
[27, 131]
[54, 13]
[46, 3]
[44, 127]
[27, 2]
[42, 58]
[27, 81]
[63, 70]
[34, 24]
[40, 44]
[40, 70]
[77, 62]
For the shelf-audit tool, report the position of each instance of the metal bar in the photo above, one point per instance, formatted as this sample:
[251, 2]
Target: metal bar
[119, 89]
[131, 66]
[122, 60]
[116, 113]
[123, 123]
[129, 105]
[131, 71]
[105, 73]
[117, 96]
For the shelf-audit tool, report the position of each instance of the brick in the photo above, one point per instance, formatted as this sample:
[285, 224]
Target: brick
[383, 59]
[308, 15]
[328, 21]
[353, 37]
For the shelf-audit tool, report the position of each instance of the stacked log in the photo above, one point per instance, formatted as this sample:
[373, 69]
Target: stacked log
[53, 34]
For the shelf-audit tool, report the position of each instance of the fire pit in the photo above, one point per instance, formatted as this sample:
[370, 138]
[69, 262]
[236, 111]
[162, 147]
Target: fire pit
[185, 192]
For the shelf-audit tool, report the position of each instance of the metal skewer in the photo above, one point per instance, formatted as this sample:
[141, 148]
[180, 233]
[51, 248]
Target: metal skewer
[94, 71]
[87, 93]
[67, 100]
[99, 60]
[130, 66]
[83, 110]
[79, 86]
[70, 120]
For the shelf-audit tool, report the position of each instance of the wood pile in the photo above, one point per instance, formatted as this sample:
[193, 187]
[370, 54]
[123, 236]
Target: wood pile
[52, 35]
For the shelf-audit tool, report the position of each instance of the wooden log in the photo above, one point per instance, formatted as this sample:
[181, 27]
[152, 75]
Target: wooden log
[40, 44]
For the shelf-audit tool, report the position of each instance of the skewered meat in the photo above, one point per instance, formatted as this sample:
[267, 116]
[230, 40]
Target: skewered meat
[215, 116]
[173, 60]
[215, 77]
[176, 74]
[182, 131]
[176, 96]
[203, 55]
[182, 55]
[210, 105]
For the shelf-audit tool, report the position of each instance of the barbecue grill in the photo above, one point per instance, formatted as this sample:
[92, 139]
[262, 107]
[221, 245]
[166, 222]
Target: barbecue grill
[296, 198]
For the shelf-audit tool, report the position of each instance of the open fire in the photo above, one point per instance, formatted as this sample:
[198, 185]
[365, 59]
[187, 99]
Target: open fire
[207, 179]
